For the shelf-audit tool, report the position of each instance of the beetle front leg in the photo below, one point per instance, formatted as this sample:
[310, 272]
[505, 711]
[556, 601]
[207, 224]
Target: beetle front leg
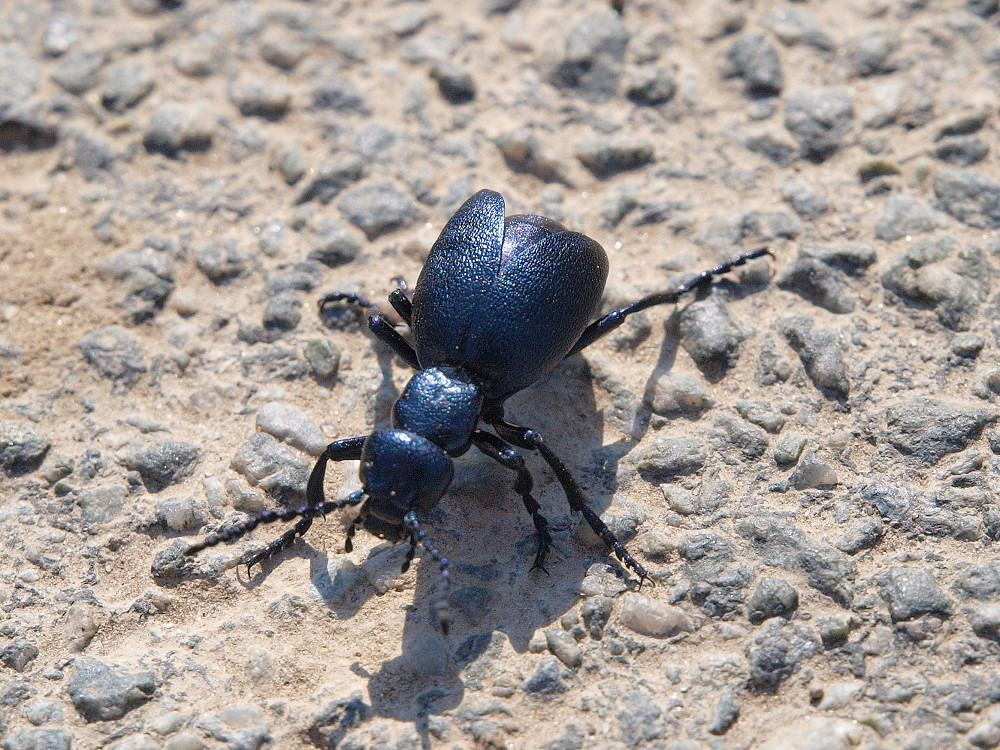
[614, 319]
[499, 451]
[525, 437]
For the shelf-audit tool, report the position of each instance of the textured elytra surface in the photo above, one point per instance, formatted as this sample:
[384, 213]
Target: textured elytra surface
[805, 459]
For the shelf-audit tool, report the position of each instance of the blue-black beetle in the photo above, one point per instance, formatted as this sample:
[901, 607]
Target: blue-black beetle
[499, 303]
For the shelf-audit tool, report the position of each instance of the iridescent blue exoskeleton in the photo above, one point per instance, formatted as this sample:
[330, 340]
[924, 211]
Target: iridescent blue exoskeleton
[499, 303]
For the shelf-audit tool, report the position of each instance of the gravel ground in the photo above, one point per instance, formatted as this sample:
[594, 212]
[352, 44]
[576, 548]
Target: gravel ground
[804, 458]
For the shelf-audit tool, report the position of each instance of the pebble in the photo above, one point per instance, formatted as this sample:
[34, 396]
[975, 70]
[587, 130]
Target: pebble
[652, 85]
[333, 91]
[986, 732]
[863, 535]
[378, 208]
[709, 335]
[283, 312]
[961, 150]
[102, 503]
[22, 448]
[104, 692]
[563, 647]
[815, 733]
[761, 414]
[161, 464]
[323, 357]
[969, 197]
[175, 128]
[910, 593]
[61, 33]
[649, 617]
[79, 72]
[671, 457]
[822, 354]
[44, 711]
[904, 216]
[813, 472]
[820, 120]
[240, 726]
[281, 48]
[594, 57]
[291, 425]
[336, 244]
[925, 430]
[18, 654]
[754, 59]
[606, 156]
[871, 53]
[267, 98]
[126, 83]
[725, 713]
[776, 653]
[833, 631]
[114, 354]
[146, 277]
[678, 393]
[793, 26]
[805, 200]
[984, 619]
[525, 153]
[222, 261]
[180, 513]
[261, 456]
[548, 680]
[40, 738]
[331, 179]
[817, 283]
[737, 439]
[641, 720]
[773, 598]
[454, 82]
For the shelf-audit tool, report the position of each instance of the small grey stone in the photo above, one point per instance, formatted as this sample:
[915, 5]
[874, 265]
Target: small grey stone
[806, 201]
[961, 150]
[292, 426]
[777, 652]
[795, 26]
[717, 582]
[268, 98]
[260, 456]
[641, 720]
[738, 439]
[652, 85]
[331, 179]
[822, 354]
[61, 33]
[761, 414]
[788, 448]
[114, 354]
[820, 120]
[378, 208]
[101, 504]
[709, 335]
[547, 681]
[331, 90]
[861, 536]
[595, 611]
[773, 598]
[296, 277]
[323, 357]
[755, 60]
[818, 283]
[222, 261]
[870, 52]
[336, 244]
[525, 153]
[852, 257]
[725, 713]
[267, 362]
[103, 692]
[199, 57]
[563, 647]
[22, 448]
[967, 345]
[146, 277]
[18, 654]
[981, 582]
[984, 619]
[283, 312]
[240, 726]
[79, 72]
[40, 738]
[813, 472]
[290, 160]
[606, 156]
[936, 272]
[911, 593]
[174, 128]
[180, 513]
[671, 457]
[454, 82]
[126, 83]
[970, 198]
[162, 464]
[678, 392]
[44, 711]
[593, 60]
[770, 142]
[905, 216]
[281, 48]
[925, 430]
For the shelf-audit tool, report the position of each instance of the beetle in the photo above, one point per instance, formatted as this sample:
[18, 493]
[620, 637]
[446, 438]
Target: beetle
[499, 303]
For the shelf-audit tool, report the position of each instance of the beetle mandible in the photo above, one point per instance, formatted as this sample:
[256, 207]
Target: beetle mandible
[499, 303]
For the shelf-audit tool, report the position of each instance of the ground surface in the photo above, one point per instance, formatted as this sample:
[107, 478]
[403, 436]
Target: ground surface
[804, 458]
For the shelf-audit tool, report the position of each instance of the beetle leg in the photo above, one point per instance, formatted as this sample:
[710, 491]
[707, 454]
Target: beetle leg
[615, 318]
[392, 338]
[498, 450]
[525, 437]
[401, 301]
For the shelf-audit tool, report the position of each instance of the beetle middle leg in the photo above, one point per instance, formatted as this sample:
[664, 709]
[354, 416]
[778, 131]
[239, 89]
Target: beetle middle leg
[603, 326]
[379, 326]
[525, 437]
[498, 450]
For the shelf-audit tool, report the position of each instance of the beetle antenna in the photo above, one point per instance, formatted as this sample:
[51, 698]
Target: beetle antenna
[439, 607]
[306, 513]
